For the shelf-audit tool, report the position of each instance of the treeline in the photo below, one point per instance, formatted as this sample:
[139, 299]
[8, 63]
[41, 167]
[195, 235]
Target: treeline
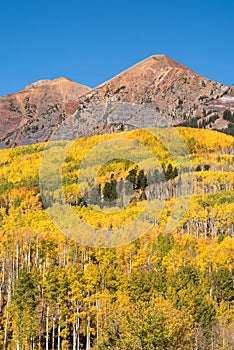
[206, 120]
[154, 184]
[228, 115]
[133, 187]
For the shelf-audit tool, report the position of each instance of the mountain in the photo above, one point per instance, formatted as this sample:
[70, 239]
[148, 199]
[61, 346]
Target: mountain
[31, 115]
[156, 92]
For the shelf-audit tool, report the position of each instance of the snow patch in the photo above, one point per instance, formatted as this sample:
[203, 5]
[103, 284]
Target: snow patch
[227, 98]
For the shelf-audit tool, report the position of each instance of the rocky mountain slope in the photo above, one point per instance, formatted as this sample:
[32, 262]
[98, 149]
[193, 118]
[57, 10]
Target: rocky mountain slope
[153, 93]
[31, 115]
[156, 92]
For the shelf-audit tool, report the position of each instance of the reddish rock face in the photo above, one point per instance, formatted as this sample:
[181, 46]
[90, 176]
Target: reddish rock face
[31, 115]
[168, 92]
[155, 92]
[165, 84]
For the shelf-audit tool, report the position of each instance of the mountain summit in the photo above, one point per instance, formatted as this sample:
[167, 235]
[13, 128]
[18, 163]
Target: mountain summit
[171, 92]
[155, 92]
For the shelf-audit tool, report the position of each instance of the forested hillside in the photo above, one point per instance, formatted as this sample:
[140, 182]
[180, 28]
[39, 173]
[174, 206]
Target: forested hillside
[166, 289]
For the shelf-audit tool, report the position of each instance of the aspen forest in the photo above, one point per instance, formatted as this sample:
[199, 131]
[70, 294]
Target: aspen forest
[163, 290]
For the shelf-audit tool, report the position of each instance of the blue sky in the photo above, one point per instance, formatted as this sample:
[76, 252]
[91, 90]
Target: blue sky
[92, 42]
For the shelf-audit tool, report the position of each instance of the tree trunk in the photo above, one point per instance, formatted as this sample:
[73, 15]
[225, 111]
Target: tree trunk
[2, 283]
[47, 328]
[59, 330]
[53, 333]
[5, 331]
[17, 260]
[7, 314]
[78, 332]
[88, 332]
[74, 335]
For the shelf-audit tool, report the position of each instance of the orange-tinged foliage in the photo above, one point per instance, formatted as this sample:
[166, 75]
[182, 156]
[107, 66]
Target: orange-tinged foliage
[176, 287]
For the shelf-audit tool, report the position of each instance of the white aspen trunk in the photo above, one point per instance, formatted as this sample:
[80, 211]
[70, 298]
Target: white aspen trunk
[78, 330]
[47, 328]
[75, 255]
[17, 261]
[53, 333]
[7, 314]
[37, 254]
[5, 331]
[41, 322]
[74, 334]
[97, 321]
[2, 283]
[13, 270]
[29, 257]
[59, 330]
[88, 331]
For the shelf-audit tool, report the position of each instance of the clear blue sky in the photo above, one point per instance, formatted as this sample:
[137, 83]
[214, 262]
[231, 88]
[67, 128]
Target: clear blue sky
[92, 42]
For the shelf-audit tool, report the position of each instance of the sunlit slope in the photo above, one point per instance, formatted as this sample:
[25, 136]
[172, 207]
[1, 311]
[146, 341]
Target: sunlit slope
[207, 158]
[175, 281]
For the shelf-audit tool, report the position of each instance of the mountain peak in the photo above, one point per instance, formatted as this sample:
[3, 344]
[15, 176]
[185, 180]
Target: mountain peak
[36, 84]
[33, 113]
[47, 82]
[159, 62]
[175, 93]
[159, 56]
[162, 90]
[150, 69]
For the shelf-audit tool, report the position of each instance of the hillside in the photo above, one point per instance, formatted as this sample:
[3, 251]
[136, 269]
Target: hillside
[155, 92]
[172, 274]
[31, 115]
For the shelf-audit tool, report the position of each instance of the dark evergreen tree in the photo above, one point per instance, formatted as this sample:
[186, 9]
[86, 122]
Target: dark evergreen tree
[175, 173]
[228, 115]
[110, 191]
[141, 180]
[132, 177]
[169, 172]
[206, 167]
[198, 168]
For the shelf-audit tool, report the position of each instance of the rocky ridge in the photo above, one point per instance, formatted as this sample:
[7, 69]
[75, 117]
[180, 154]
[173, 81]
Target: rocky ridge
[156, 92]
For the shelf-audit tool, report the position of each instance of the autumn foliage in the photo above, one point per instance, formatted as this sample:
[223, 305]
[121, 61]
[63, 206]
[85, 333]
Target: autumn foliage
[165, 290]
